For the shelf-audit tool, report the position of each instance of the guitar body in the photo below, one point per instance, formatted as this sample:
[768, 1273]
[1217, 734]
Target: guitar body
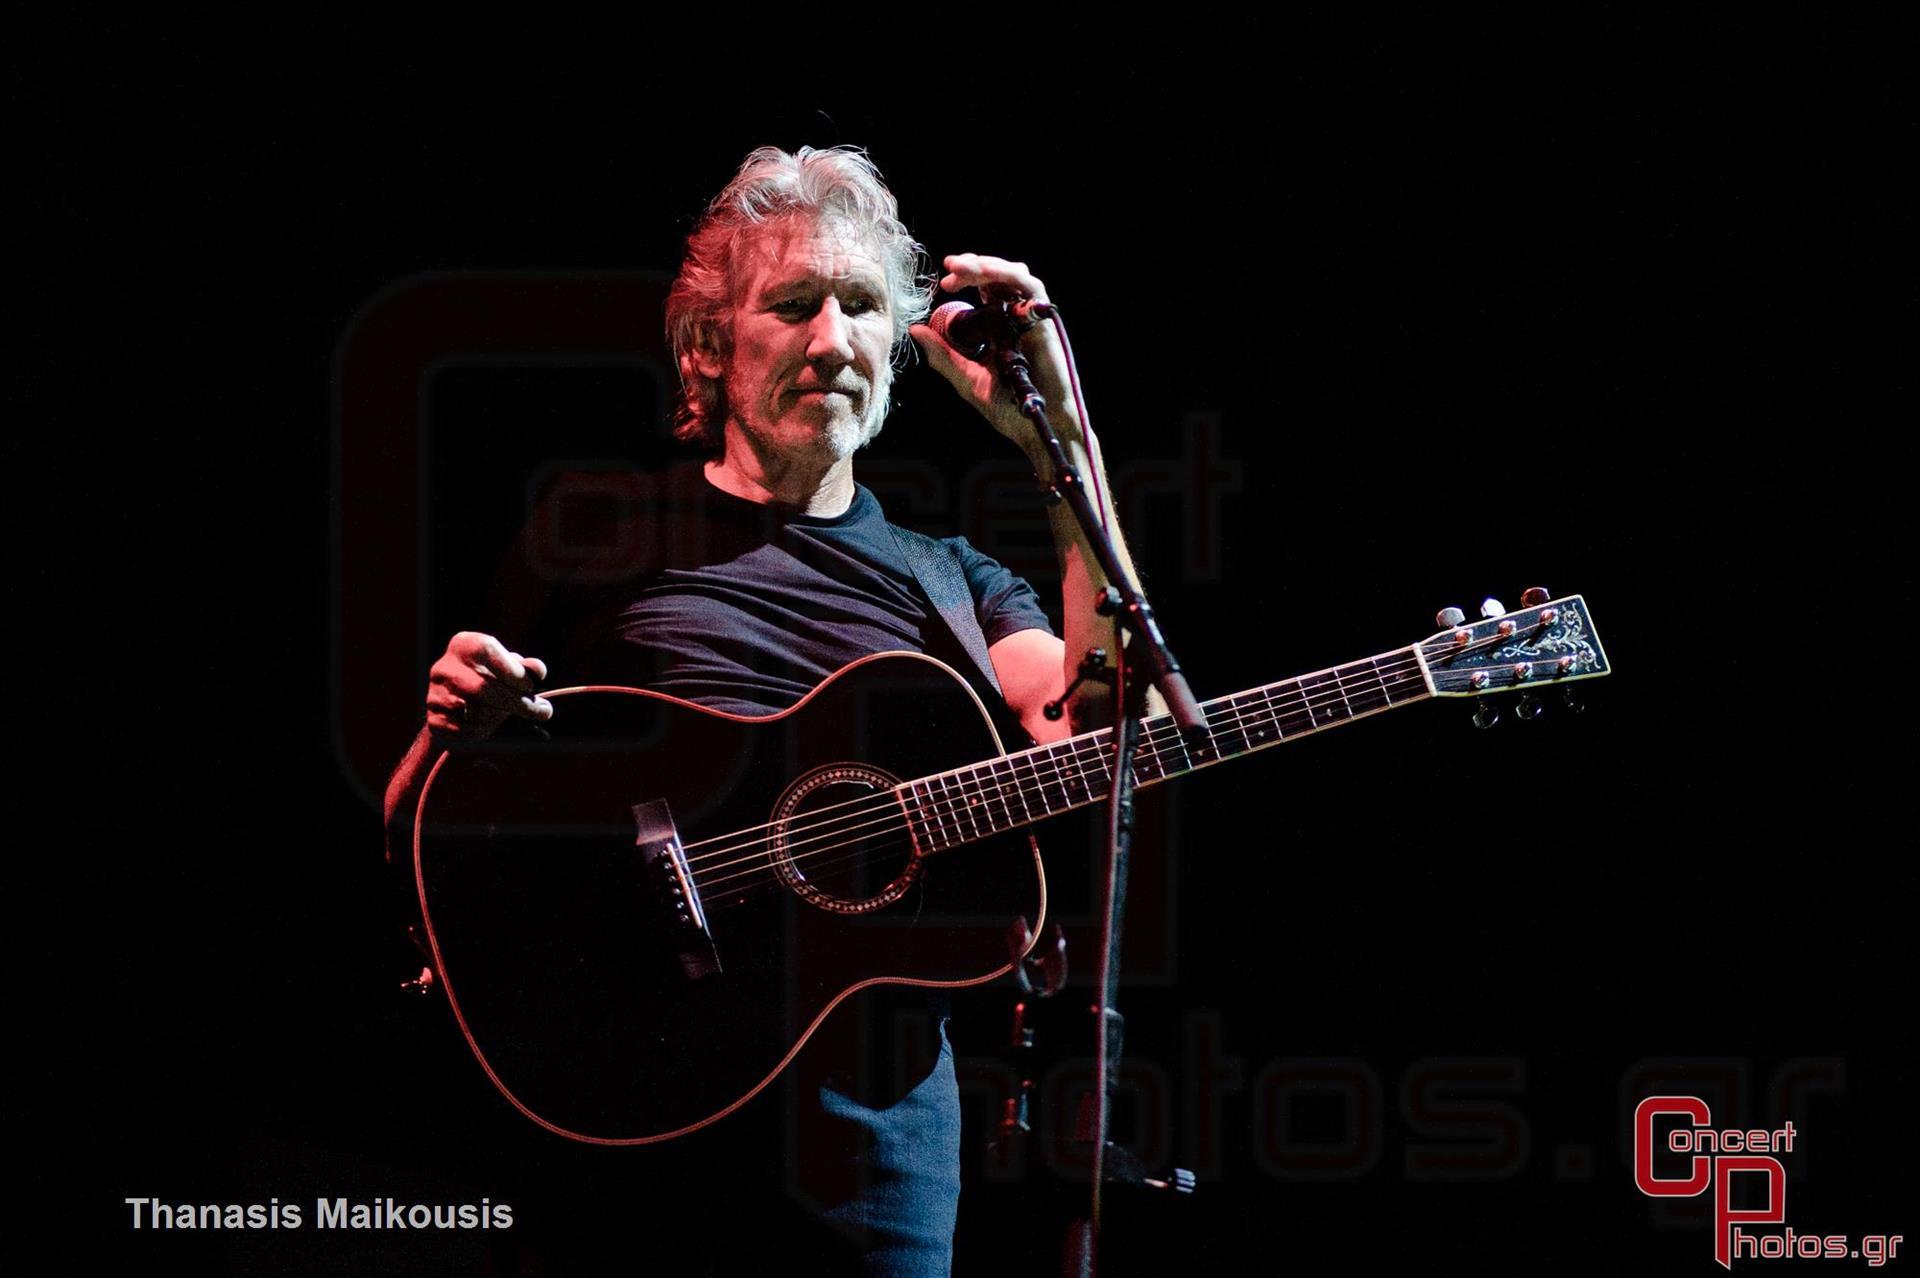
[599, 1011]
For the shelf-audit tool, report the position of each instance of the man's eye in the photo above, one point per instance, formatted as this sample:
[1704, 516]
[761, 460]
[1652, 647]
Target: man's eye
[792, 306]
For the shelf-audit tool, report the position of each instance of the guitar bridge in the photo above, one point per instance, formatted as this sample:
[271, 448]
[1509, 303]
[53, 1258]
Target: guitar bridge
[675, 894]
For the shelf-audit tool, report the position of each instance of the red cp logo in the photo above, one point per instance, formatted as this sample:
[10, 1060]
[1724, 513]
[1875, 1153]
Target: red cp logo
[1710, 1166]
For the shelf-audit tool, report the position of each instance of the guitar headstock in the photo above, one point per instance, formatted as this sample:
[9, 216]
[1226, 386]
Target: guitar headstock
[1546, 642]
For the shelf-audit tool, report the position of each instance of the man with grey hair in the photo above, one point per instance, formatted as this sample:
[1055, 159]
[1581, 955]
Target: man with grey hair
[798, 294]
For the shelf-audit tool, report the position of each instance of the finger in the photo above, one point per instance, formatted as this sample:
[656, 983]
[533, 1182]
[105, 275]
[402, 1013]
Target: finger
[536, 668]
[991, 274]
[471, 650]
[538, 708]
[501, 662]
[443, 702]
[511, 668]
[447, 714]
[464, 683]
[947, 362]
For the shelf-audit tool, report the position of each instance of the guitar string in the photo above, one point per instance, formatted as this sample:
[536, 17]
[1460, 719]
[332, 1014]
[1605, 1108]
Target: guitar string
[763, 875]
[764, 870]
[1164, 722]
[962, 814]
[1401, 661]
[1001, 778]
[975, 795]
[1163, 734]
[973, 801]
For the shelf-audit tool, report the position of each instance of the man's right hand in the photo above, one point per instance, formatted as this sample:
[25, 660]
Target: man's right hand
[477, 684]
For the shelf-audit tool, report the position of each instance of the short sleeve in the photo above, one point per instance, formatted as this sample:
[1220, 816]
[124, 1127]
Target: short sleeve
[1005, 603]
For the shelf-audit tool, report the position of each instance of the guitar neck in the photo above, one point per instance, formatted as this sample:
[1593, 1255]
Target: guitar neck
[997, 795]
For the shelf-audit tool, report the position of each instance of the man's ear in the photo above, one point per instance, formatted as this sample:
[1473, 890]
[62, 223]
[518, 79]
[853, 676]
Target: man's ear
[708, 353]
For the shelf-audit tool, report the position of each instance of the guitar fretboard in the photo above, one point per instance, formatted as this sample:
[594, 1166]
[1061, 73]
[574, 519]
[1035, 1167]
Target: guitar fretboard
[997, 795]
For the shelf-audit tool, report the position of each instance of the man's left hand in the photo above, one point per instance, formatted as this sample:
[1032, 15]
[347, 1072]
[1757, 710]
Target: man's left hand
[1002, 281]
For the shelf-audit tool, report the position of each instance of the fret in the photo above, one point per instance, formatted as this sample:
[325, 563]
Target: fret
[1013, 783]
[1031, 789]
[951, 803]
[1258, 725]
[1406, 677]
[1057, 778]
[1179, 743]
[1322, 698]
[970, 795]
[1073, 774]
[1275, 727]
[1291, 711]
[930, 806]
[1386, 681]
[1344, 707]
[1077, 774]
[1148, 765]
[968, 788]
[963, 806]
[980, 799]
[1207, 749]
[1233, 728]
[997, 793]
[1083, 767]
[1304, 692]
[1062, 779]
[1322, 705]
[1380, 680]
[1097, 762]
[1170, 749]
[930, 816]
[916, 815]
[1340, 686]
[1036, 782]
[949, 820]
[1369, 690]
[1329, 702]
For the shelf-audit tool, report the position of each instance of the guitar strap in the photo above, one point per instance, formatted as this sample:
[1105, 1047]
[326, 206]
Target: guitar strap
[937, 569]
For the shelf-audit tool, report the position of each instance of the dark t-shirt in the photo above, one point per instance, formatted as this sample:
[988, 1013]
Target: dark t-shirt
[745, 607]
[670, 584]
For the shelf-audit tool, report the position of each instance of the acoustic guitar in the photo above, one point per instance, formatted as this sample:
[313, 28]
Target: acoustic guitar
[639, 922]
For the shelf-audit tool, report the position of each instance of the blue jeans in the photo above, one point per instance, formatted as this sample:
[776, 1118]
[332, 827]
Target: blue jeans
[906, 1163]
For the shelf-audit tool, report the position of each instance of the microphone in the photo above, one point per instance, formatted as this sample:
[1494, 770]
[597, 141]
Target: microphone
[972, 329]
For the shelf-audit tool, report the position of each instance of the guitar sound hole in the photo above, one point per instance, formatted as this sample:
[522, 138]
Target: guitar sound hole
[841, 840]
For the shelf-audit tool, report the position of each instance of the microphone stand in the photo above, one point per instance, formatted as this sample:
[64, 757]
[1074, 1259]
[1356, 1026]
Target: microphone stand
[1145, 660]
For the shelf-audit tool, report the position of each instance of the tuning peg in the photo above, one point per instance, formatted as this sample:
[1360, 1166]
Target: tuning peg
[1529, 708]
[1448, 618]
[1491, 608]
[1572, 701]
[1485, 714]
[1534, 596]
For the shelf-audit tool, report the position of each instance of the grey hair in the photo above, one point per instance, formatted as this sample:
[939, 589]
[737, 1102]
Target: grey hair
[838, 184]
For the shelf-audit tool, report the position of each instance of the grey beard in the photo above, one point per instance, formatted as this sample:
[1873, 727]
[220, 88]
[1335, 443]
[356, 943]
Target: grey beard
[846, 440]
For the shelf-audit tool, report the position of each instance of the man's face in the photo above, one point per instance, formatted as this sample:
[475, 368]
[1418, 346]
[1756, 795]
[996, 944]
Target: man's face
[808, 372]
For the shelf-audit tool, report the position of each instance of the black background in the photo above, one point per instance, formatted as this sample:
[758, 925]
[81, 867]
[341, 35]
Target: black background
[1479, 304]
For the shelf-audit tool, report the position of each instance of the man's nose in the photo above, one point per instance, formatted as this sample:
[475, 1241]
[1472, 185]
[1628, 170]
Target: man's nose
[830, 335]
